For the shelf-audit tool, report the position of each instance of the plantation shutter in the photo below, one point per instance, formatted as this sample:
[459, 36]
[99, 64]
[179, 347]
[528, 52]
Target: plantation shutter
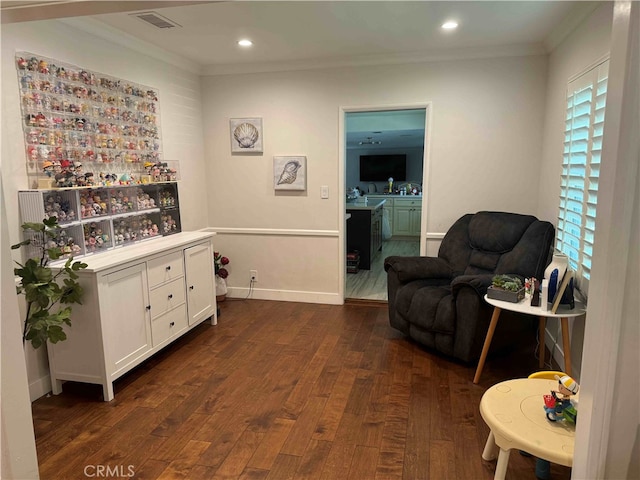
[584, 125]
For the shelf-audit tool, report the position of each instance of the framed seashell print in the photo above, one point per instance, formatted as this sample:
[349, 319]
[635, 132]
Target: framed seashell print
[290, 173]
[246, 135]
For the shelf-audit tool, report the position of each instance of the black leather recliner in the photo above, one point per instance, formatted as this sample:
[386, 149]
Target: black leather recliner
[438, 301]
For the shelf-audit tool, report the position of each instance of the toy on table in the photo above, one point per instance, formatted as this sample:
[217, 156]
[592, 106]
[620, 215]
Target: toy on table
[561, 407]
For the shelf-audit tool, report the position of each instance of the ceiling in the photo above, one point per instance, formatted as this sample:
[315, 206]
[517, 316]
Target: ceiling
[292, 35]
[311, 34]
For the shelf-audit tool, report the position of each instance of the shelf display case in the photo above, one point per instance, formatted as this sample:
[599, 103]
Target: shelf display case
[109, 217]
[84, 128]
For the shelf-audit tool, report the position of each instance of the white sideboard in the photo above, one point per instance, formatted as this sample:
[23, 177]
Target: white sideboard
[136, 301]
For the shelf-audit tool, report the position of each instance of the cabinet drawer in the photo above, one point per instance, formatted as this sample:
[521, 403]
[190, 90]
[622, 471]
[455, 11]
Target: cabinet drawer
[408, 202]
[169, 324]
[164, 269]
[166, 297]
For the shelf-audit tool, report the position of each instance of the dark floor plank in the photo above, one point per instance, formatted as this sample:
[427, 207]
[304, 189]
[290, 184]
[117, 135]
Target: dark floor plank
[285, 390]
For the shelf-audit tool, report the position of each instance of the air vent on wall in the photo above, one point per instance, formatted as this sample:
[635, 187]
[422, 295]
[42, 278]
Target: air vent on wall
[155, 19]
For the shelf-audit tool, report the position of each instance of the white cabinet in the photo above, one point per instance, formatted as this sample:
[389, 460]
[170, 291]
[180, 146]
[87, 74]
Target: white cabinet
[199, 275]
[127, 294]
[407, 215]
[136, 301]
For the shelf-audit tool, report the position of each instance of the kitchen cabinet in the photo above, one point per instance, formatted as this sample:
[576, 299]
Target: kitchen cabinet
[364, 232]
[387, 207]
[407, 214]
[136, 301]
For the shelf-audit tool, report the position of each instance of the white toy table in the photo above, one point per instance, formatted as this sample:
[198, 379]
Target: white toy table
[514, 411]
[563, 313]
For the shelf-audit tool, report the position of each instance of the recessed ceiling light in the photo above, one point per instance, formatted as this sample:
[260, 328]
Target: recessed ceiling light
[451, 25]
[245, 42]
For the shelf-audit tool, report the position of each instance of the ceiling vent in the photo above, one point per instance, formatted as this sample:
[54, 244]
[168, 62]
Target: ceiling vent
[155, 19]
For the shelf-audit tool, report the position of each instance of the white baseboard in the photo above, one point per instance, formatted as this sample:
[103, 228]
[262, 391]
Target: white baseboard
[286, 295]
[39, 388]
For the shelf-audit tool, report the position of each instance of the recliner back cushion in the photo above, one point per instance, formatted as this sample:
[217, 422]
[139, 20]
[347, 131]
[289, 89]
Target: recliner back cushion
[497, 232]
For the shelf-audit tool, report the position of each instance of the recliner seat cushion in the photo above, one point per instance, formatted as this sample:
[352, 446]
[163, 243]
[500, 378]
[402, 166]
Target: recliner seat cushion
[429, 307]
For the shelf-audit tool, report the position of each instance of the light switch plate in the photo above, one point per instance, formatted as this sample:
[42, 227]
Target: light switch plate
[324, 191]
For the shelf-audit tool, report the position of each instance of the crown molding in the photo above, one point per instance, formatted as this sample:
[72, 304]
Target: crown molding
[569, 23]
[519, 50]
[113, 35]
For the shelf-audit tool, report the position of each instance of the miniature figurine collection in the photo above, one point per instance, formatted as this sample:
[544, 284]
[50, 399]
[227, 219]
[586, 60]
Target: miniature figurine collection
[84, 128]
[558, 405]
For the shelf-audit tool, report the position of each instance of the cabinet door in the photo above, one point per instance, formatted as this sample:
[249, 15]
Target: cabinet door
[126, 322]
[198, 262]
[416, 218]
[402, 220]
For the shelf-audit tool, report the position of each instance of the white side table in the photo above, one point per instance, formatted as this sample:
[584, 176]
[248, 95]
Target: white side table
[514, 411]
[563, 313]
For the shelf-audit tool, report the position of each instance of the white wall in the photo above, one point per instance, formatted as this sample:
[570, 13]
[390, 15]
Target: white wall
[589, 42]
[180, 107]
[181, 117]
[486, 144]
[18, 458]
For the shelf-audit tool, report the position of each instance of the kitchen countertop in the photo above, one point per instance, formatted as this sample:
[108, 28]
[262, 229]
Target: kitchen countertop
[372, 205]
[395, 195]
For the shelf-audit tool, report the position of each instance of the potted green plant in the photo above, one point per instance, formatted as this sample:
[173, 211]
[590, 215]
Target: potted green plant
[48, 302]
[506, 288]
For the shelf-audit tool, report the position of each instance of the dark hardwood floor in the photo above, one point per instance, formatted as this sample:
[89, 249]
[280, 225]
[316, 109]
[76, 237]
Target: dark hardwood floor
[283, 391]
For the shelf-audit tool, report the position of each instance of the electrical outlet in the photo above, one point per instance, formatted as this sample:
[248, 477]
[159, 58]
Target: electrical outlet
[253, 275]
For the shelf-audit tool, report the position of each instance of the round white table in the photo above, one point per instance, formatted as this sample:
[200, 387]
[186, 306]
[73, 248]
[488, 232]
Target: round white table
[563, 313]
[514, 411]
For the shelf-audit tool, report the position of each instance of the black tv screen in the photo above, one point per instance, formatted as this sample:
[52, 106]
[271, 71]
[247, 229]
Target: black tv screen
[378, 168]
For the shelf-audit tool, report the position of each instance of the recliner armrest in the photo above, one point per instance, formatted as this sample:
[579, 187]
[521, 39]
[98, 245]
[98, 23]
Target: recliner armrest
[479, 283]
[417, 268]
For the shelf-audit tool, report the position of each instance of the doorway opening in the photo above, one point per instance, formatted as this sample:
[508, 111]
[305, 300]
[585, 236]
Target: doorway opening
[385, 186]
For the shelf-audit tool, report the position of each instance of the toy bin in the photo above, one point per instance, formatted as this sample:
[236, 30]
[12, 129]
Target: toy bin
[122, 200]
[146, 197]
[94, 202]
[98, 237]
[36, 205]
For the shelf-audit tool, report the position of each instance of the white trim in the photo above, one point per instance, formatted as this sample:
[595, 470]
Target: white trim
[618, 182]
[520, 50]
[435, 235]
[590, 67]
[39, 388]
[562, 30]
[342, 164]
[286, 295]
[271, 231]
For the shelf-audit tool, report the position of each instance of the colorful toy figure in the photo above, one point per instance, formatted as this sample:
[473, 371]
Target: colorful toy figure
[561, 407]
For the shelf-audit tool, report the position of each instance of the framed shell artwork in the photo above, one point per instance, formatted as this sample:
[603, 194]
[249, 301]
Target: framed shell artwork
[246, 135]
[290, 173]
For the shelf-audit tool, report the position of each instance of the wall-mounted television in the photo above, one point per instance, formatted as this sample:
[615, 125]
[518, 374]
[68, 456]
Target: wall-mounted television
[378, 168]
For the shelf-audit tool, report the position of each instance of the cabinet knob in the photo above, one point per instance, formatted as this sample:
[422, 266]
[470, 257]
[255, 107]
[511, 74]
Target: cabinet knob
[172, 324]
[191, 287]
[170, 296]
[168, 268]
[148, 307]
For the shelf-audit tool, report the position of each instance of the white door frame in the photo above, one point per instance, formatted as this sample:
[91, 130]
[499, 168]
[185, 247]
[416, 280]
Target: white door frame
[342, 227]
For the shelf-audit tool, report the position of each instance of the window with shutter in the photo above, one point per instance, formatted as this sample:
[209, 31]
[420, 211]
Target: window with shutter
[584, 122]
